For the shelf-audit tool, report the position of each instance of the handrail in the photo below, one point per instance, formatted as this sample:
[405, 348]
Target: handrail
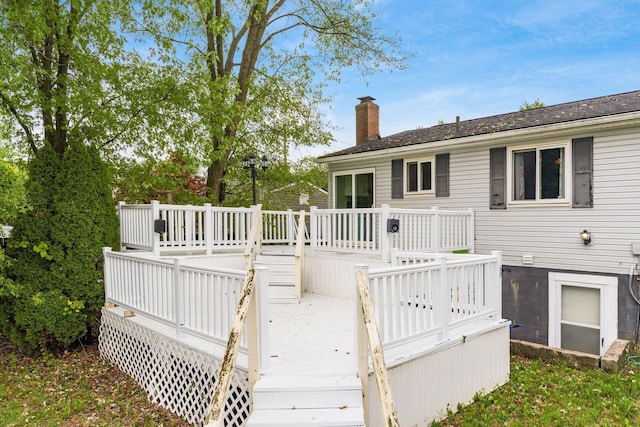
[207, 228]
[299, 255]
[215, 417]
[255, 237]
[366, 317]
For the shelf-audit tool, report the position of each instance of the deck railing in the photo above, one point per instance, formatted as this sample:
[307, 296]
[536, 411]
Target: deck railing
[436, 230]
[136, 226]
[183, 227]
[281, 227]
[346, 230]
[192, 299]
[425, 299]
[376, 231]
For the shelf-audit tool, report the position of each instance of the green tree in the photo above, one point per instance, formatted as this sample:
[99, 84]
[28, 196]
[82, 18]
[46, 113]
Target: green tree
[65, 69]
[531, 106]
[141, 182]
[257, 69]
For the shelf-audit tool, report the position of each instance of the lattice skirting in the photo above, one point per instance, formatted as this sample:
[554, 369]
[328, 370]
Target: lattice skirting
[177, 377]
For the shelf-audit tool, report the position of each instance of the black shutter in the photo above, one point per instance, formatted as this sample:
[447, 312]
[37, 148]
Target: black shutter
[582, 172]
[442, 175]
[397, 172]
[498, 173]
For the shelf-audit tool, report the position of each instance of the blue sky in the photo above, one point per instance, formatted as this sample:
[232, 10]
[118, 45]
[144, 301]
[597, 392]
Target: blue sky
[480, 58]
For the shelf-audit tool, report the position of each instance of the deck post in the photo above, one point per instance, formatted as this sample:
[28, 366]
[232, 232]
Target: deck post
[207, 223]
[257, 326]
[385, 237]
[155, 237]
[119, 210]
[178, 297]
[380, 371]
[299, 255]
[107, 273]
[189, 222]
[393, 260]
[496, 285]
[471, 231]
[258, 212]
[291, 235]
[362, 347]
[435, 230]
[443, 302]
[313, 221]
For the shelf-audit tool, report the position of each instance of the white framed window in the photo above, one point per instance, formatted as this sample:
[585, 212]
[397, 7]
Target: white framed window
[354, 189]
[539, 174]
[583, 312]
[420, 176]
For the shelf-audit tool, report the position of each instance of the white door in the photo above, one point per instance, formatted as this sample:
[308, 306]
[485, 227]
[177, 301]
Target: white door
[583, 312]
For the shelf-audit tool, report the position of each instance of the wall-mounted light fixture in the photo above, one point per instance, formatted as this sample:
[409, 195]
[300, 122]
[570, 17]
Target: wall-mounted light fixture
[585, 236]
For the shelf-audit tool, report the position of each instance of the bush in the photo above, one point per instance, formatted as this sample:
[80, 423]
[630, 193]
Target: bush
[12, 195]
[57, 290]
[31, 234]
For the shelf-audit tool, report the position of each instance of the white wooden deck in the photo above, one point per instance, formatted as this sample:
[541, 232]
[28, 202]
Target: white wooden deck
[313, 337]
[184, 307]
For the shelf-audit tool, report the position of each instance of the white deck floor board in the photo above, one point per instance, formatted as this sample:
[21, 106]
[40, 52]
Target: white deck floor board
[314, 337]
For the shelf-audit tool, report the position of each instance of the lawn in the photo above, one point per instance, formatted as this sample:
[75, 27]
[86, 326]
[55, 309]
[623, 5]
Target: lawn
[79, 388]
[543, 394]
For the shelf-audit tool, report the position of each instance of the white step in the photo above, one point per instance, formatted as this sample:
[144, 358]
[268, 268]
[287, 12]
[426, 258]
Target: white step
[275, 259]
[304, 392]
[307, 417]
[282, 292]
[281, 268]
[281, 271]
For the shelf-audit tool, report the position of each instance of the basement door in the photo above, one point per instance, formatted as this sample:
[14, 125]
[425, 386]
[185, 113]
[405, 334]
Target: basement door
[583, 312]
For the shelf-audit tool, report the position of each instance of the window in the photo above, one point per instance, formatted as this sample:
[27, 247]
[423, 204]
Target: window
[538, 174]
[353, 190]
[556, 174]
[420, 176]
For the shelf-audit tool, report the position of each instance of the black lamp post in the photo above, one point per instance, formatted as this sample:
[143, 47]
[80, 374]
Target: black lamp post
[252, 163]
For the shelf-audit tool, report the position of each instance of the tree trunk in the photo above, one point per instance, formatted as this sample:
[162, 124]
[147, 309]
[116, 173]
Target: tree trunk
[215, 183]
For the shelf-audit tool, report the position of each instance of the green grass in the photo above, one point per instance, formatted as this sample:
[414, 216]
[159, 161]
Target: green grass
[543, 394]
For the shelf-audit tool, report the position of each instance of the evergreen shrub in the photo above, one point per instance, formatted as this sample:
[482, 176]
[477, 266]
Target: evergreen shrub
[56, 247]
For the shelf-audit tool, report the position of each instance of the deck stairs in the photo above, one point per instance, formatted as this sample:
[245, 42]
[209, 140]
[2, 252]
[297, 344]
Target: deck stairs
[281, 265]
[288, 401]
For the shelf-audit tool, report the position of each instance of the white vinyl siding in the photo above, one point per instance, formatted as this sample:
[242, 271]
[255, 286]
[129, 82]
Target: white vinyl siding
[550, 234]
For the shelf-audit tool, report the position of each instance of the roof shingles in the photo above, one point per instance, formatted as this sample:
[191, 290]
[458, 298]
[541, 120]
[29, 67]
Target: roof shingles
[561, 113]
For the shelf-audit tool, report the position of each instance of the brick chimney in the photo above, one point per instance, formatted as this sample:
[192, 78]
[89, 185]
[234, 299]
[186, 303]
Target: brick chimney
[367, 120]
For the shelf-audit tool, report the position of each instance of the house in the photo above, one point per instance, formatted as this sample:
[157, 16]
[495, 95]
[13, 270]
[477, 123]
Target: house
[300, 196]
[555, 189]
